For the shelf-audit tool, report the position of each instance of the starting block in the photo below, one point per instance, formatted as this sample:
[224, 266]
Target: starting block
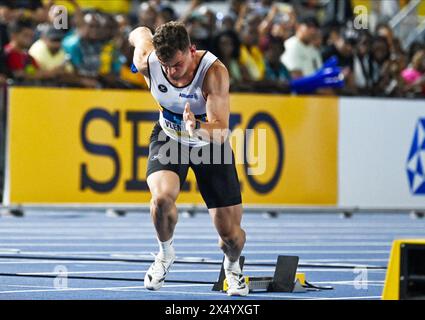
[285, 278]
[405, 278]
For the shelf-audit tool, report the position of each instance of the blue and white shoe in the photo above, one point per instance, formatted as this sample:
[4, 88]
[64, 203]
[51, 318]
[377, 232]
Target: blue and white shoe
[155, 276]
[236, 283]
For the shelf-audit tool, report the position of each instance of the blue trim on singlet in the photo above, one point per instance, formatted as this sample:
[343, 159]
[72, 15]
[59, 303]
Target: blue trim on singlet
[178, 118]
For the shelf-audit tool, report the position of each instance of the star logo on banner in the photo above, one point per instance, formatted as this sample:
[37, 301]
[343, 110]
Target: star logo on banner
[416, 160]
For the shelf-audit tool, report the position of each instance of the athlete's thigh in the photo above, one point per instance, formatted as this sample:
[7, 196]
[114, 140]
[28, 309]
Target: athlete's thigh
[218, 184]
[165, 173]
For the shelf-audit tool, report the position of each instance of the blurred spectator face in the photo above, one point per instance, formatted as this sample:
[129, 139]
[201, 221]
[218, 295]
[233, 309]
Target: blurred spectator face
[211, 19]
[418, 61]
[380, 50]
[364, 45]
[333, 37]
[344, 47]
[274, 51]
[250, 35]
[53, 45]
[147, 16]
[236, 5]
[111, 27]
[23, 39]
[228, 23]
[317, 39]
[6, 14]
[92, 26]
[123, 23]
[307, 33]
[166, 14]
[226, 46]
[197, 29]
[386, 32]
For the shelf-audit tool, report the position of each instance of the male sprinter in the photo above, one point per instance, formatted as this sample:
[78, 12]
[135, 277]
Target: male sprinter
[192, 90]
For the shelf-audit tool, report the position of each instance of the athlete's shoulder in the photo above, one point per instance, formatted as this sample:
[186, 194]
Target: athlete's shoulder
[217, 78]
[218, 71]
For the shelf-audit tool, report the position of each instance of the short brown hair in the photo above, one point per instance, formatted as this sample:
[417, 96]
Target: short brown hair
[169, 38]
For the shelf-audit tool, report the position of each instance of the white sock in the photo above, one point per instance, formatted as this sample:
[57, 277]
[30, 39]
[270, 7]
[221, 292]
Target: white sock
[165, 248]
[231, 266]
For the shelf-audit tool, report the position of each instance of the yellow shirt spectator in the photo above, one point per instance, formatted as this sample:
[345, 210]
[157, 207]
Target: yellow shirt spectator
[109, 6]
[133, 78]
[253, 60]
[48, 52]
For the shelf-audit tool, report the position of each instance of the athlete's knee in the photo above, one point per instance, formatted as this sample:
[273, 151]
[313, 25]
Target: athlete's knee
[161, 204]
[232, 238]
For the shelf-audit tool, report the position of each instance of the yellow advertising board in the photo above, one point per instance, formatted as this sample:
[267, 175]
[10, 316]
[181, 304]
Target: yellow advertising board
[68, 146]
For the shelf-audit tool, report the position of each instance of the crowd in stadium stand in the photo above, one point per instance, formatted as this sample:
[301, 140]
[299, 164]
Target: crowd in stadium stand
[264, 44]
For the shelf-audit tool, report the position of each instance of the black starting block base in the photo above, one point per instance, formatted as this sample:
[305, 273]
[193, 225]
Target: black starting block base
[285, 278]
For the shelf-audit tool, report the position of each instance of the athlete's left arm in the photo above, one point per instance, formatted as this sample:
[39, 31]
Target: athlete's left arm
[216, 88]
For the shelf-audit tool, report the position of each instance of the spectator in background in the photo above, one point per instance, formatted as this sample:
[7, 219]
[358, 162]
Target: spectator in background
[6, 17]
[342, 47]
[123, 23]
[414, 48]
[165, 14]
[3, 69]
[362, 63]
[21, 65]
[147, 16]
[338, 12]
[380, 69]
[20, 9]
[276, 74]
[226, 23]
[307, 8]
[48, 52]
[391, 83]
[251, 56]
[235, 8]
[301, 57]
[50, 57]
[262, 7]
[128, 78]
[197, 28]
[414, 75]
[280, 22]
[385, 31]
[92, 51]
[226, 46]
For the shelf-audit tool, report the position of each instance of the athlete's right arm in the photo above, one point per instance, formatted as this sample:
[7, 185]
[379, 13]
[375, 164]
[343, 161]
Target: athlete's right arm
[141, 39]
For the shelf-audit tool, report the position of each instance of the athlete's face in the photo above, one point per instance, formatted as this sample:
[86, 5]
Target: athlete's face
[177, 67]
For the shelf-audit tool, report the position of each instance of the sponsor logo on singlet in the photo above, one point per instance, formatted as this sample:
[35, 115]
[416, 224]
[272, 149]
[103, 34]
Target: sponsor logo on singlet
[162, 88]
[188, 96]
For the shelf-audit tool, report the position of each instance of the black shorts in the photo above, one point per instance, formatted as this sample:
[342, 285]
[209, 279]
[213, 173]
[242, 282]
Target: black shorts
[213, 165]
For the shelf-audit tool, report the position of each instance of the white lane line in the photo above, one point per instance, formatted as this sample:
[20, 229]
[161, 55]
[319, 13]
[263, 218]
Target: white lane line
[184, 271]
[97, 289]
[132, 244]
[274, 252]
[349, 298]
[254, 230]
[287, 237]
[27, 286]
[73, 262]
[137, 255]
[116, 224]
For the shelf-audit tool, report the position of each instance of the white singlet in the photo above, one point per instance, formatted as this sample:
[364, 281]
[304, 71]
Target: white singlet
[172, 99]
